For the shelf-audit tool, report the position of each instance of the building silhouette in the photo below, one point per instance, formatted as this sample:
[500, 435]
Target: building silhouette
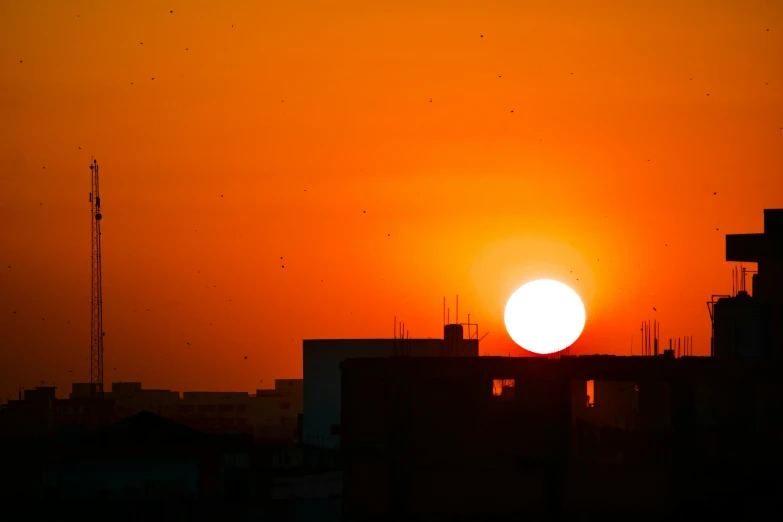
[269, 415]
[321, 371]
[751, 323]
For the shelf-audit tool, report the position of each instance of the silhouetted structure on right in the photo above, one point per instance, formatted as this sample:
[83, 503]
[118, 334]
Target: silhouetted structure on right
[751, 324]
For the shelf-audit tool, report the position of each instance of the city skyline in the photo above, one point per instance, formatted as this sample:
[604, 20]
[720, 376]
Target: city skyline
[301, 172]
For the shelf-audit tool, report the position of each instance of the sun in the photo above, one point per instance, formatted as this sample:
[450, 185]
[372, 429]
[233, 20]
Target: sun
[544, 316]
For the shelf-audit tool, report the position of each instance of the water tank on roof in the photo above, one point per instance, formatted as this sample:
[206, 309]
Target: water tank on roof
[453, 332]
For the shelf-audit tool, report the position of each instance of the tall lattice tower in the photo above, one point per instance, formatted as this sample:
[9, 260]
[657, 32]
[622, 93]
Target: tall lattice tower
[96, 318]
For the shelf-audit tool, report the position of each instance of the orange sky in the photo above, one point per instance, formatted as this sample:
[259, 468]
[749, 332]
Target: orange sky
[335, 100]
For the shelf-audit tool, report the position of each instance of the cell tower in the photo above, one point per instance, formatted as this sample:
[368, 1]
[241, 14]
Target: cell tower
[96, 318]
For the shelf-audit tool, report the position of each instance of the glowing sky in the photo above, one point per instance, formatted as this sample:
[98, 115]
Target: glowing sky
[314, 121]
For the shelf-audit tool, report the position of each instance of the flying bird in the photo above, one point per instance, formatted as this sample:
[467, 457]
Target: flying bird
[282, 266]
[655, 309]
[20, 61]
[171, 12]
[221, 195]
[714, 193]
[245, 356]
[153, 77]
[80, 148]
[187, 343]
[482, 36]
[708, 94]
[186, 48]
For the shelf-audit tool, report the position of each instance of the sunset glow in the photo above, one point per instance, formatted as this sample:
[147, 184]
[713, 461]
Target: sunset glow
[372, 146]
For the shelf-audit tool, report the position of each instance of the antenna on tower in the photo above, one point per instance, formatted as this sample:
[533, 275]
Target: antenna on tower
[96, 318]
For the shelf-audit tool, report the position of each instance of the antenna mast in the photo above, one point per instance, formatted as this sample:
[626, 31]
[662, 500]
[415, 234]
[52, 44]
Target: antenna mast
[96, 318]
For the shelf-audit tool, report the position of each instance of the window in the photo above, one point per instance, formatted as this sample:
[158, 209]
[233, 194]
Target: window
[503, 388]
[590, 394]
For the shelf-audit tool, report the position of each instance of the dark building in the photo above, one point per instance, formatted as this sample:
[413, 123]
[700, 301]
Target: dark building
[40, 414]
[433, 438]
[146, 455]
[751, 324]
[321, 371]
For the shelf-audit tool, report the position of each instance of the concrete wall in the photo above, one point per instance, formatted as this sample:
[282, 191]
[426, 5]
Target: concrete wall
[321, 372]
